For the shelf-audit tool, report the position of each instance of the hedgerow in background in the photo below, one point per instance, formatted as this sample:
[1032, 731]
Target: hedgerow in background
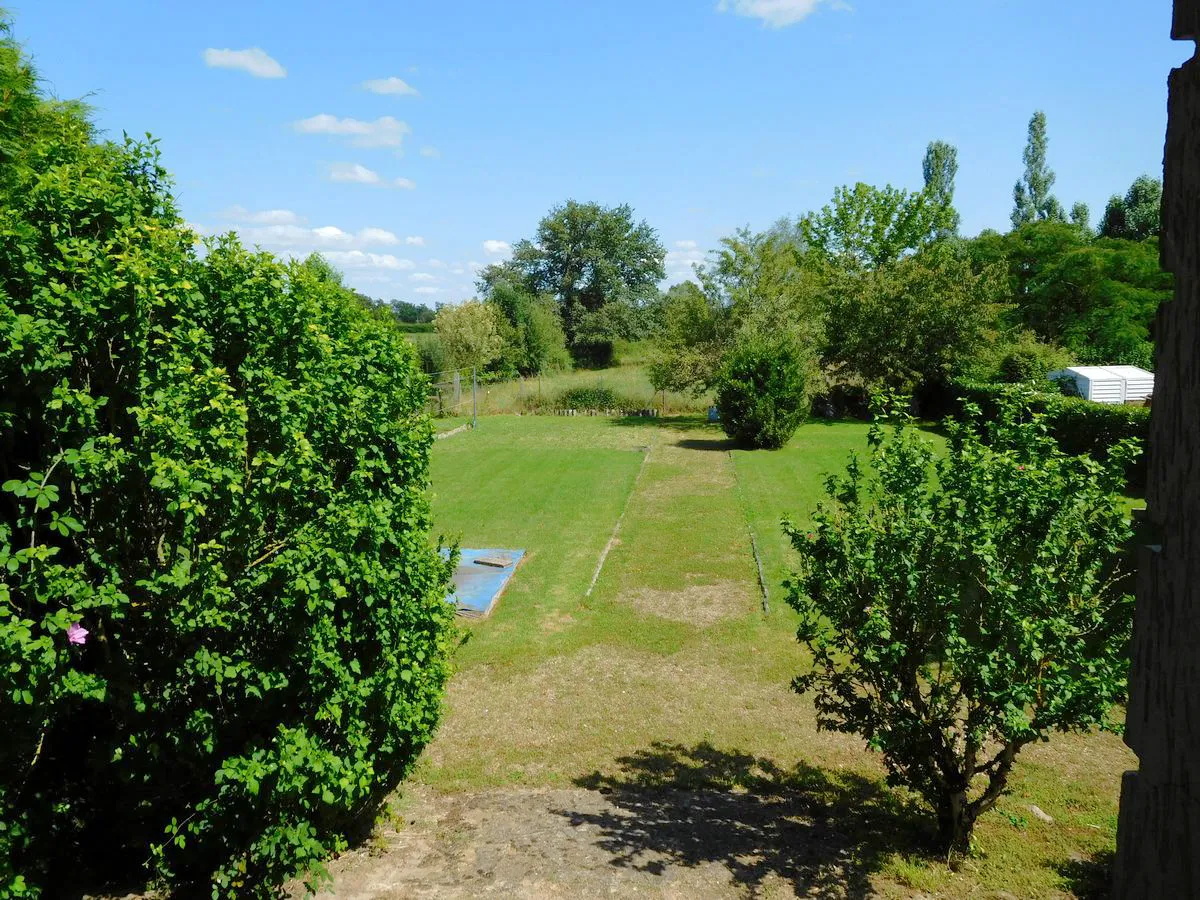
[1078, 425]
[222, 626]
[958, 611]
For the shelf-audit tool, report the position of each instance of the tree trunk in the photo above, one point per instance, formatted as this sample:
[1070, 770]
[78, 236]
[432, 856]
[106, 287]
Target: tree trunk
[956, 821]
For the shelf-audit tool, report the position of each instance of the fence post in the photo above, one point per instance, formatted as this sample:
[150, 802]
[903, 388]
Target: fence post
[474, 400]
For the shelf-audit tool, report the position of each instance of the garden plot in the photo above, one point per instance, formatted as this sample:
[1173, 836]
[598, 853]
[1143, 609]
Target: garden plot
[643, 741]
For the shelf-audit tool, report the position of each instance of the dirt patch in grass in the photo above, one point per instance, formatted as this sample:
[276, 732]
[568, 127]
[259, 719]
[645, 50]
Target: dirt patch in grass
[697, 604]
[557, 621]
[794, 835]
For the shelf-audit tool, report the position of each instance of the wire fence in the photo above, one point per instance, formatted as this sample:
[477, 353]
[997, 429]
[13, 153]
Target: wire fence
[454, 393]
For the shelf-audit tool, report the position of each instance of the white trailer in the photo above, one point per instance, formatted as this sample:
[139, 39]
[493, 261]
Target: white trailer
[1108, 384]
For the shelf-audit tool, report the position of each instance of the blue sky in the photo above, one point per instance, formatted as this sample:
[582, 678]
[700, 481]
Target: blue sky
[412, 142]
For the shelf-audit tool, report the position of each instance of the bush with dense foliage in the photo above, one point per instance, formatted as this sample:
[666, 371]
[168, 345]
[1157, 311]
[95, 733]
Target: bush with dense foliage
[764, 391]
[961, 609]
[593, 398]
[222, 624]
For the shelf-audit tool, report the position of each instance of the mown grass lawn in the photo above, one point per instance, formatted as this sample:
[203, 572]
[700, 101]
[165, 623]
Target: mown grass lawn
[671, 676]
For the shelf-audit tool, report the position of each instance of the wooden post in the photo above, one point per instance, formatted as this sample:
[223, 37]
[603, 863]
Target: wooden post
[1158, 833]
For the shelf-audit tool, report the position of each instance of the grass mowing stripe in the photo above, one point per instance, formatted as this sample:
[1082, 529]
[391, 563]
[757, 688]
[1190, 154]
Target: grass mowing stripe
[762, 581]
[617, 527]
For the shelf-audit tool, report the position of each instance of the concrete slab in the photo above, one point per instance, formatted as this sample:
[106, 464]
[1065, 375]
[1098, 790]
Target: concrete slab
[479, 584]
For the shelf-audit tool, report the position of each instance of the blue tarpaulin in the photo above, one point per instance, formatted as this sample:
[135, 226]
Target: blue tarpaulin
[478, 586]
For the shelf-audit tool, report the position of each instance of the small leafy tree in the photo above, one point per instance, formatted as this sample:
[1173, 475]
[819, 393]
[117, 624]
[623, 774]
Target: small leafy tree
[764, 390]
[470, 334]
[531, 329]
[959, 610]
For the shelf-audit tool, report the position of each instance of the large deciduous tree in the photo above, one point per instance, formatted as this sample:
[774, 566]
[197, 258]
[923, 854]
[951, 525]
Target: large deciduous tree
[1096, 297]
[1136, 216]
[911, 323]
[586, 256]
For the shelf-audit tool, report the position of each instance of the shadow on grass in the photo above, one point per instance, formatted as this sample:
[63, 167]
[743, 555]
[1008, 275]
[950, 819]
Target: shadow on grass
[822, 832]
[720, 445]
[1089, 879]
[670, 423]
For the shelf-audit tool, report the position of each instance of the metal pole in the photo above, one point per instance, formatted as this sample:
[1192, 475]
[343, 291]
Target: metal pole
[474, 400]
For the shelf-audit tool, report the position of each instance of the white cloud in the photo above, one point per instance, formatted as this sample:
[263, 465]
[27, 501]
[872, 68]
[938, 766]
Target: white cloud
[422, 276]
[773, 13]
[353, 172]
[357, 259]
[496, 247]
[290, 239]
[238, 213]
[391, 85]
[331, 233]
[427, 290]
[377, 236]
[430, 151]
[358, 174]
[253, 60]
[681, 262]
[385, 131]
[415, 240]
[435, 264]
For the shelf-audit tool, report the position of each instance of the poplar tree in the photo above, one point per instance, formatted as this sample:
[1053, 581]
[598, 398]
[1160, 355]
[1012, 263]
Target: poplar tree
[941, 168]
[1081, 215]
[1032, 200]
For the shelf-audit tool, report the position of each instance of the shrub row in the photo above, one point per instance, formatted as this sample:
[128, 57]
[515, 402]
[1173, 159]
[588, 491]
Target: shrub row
[1079, 425]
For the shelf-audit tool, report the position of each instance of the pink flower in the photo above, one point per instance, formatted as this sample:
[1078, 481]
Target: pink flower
[77, 634]
[1020, 468]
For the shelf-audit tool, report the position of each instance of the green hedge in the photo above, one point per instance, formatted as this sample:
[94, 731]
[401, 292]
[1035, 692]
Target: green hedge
[1079, 426]
[223, 631]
